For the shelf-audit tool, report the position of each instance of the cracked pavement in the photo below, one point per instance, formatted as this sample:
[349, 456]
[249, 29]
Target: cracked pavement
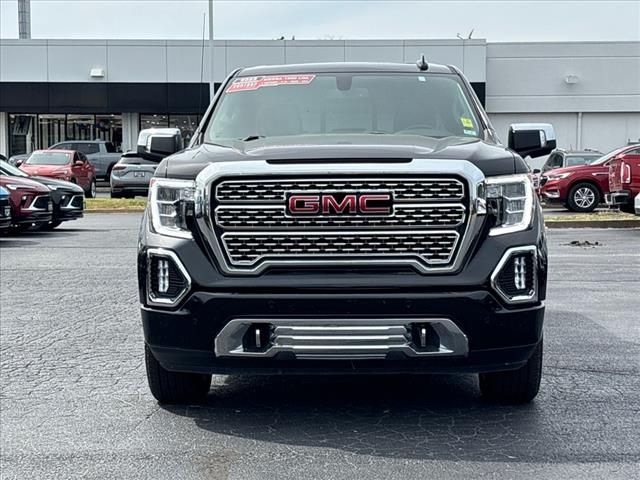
[74, 401]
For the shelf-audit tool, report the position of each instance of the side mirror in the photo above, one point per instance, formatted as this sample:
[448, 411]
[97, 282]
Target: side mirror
[78, 162]
[532, 139]
[536, 171]
[19, 162]
[158, 143]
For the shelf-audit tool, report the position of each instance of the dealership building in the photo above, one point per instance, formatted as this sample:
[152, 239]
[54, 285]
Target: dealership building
[54, 90]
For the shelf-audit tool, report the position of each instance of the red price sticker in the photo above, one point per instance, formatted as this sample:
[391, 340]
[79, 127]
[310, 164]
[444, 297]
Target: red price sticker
[245, 84]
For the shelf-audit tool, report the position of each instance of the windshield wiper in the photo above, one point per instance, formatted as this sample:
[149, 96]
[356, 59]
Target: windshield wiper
[252, 137]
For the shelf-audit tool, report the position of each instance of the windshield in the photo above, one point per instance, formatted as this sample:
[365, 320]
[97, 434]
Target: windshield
[433, 105]
[48, 158]
[8, 169]
[573, 160]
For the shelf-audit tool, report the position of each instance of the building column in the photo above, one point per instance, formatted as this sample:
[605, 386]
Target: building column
[130, 127]
[4, 134]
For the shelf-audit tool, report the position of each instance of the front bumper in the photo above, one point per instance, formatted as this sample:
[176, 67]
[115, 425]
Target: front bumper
[621, 197]
[498, 338]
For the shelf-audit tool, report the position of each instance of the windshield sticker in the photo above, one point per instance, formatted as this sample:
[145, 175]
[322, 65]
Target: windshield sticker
[470, 132]
[245, 84]
[466, 122]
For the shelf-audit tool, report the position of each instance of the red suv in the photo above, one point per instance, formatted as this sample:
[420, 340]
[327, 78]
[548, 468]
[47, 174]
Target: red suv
[580, 188]
[624, 179]
[68, 165]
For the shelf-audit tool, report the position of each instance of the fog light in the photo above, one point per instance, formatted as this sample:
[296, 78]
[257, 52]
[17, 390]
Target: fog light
[163, 276]
[519, 273]
[167, 279]
[514, 278]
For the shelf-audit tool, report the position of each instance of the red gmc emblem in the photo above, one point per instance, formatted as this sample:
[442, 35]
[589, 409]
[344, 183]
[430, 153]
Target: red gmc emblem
[339, 204]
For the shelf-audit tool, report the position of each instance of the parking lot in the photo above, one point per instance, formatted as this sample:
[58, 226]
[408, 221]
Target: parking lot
[75, 402]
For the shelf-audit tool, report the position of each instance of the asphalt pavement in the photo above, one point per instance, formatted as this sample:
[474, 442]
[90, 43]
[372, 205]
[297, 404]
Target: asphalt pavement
[74, 401]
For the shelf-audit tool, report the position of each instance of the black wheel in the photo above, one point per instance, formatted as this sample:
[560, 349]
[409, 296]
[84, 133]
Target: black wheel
[514, 386]
[116, 194]
[583, 197]
[175, 387]
[91, 193]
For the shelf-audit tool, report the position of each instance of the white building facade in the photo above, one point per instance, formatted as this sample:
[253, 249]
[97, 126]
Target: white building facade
[54, 90]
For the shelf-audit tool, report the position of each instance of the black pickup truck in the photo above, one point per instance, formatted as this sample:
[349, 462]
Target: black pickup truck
[344, 218]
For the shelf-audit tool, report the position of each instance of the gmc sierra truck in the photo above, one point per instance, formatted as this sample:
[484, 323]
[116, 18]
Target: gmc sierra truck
[344, 218]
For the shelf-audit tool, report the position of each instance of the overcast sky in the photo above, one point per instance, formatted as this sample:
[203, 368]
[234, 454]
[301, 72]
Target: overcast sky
[497, 21]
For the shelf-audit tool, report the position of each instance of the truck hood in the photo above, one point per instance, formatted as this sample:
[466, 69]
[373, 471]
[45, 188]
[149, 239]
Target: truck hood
[490, 158]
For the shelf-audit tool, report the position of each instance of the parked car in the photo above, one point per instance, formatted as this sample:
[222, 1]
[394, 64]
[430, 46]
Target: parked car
[580, 188]
[30, 201]
[561, 158]
[68, 165]
[67, 197]
[5, 209]
[102, 155]
[133, 172]
[624, 179]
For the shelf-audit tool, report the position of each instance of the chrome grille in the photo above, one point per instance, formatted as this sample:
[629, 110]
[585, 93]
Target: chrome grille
[409, 215]
[433, 247]
[253, 227]
[403, 189]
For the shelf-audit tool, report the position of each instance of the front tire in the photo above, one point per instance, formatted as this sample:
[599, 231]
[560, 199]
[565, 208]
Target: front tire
[175, 387]
[514, 386]
[583, 197]
[91, 193]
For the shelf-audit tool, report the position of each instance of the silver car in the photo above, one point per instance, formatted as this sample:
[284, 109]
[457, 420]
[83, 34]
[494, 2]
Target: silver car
[131, 176]
[133, 172]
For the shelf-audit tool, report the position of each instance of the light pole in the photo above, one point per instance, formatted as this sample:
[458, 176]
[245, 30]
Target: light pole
[211, 52]
[24, 18]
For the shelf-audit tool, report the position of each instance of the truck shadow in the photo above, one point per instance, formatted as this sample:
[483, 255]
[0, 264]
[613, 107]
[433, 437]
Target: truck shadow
[411, 417]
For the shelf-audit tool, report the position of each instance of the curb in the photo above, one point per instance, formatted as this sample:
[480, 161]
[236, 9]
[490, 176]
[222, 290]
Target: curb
[594, 224]
[115, 210]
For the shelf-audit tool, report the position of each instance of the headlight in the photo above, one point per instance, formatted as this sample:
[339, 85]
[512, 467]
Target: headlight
[13, 186]
[170, 203]
[510, 200]
[559, 176]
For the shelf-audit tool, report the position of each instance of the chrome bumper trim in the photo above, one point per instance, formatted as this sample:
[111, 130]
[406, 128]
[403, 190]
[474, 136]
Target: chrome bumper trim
[341, 338]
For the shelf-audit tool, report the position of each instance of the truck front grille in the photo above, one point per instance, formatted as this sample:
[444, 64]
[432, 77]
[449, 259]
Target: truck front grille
[424, 224]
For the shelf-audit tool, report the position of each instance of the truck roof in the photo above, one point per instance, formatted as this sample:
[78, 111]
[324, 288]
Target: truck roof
[338, 67]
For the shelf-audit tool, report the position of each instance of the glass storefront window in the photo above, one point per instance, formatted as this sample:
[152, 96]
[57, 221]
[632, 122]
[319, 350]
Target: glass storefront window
[22, 133]
[154, 121]
[32, 132]
[51, 129]
[80, 127]
[109, 128]
[186, 123]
